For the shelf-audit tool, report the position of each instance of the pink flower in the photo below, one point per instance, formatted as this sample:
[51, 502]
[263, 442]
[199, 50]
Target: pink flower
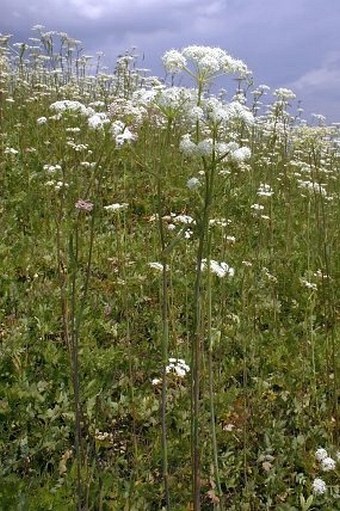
[84, 205]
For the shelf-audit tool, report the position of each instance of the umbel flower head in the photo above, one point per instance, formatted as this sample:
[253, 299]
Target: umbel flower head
[203, 62]
[319, 486]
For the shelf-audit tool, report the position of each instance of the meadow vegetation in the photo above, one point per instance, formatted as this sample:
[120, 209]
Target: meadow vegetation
[169, 305]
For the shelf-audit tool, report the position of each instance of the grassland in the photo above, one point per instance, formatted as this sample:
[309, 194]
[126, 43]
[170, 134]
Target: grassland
[169, 306]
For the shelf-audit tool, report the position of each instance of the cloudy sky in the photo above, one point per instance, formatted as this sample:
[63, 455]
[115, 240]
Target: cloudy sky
[286, 43]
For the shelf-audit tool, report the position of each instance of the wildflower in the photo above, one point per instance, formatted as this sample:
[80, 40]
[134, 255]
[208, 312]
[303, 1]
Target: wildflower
[193, 183]
[195, 114]
[264, 190]
[121, 133]
[67, 105]
[129, 111]
[77, 147]
[257, 207]
[205, 147]
[11, 150]
[284, 94]
[103, 435]
[116, 207]
[73, 130]
[238, 112]
[178, 367]
[174, 61]
[241, 154]
[327, 464]
[126, 136]
[222, 222]
[59, 185]
[187, 146]
[87, 164]
[84, 205]
[183, 219]
[156, 381]
[313, 187]
[209, 60]
[98, 121]
[51, 169]
[172, 101]
[217, 112]
[157, 266]
[229, 427]
[206, 63]
[220, 269]
[268, 275]
[42, 120]
[319, 486]
[321, 454]
[309, 285]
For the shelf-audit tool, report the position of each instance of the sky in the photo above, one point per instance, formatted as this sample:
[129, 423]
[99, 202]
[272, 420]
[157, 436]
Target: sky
[286, 43]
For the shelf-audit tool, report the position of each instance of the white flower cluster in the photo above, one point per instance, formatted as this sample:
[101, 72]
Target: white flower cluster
[57, 185]
[203, 62]
[220, 269]
[52, 169]
[173, 219]
[218, 112]
[183, 219]
[77, 147]
[121, 133]
[283, 94]
[319, 486]
[309, 285]
[102, 436]
[232, 151]
[98, 120]
[174, 61]
[327, 463]
[221, 222]
[178, 367]
[193, 183]
[157, 266]
[130, 111]
[241, 154]
[312, 187]
[67, 105]
[11, 150]
[265, 190]
[172, 101]
[144, 97]
[116, 207]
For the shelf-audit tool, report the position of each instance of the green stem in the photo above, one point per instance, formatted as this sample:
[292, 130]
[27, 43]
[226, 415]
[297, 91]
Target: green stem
[211, 386]
[165, 344]
[197, 347]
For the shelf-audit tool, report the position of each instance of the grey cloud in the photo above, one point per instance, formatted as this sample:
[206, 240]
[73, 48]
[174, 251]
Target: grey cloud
[284, 42]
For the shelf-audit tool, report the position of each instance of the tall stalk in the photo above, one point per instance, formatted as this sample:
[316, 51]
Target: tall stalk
[211, 386]
[72, 309]
[165, 252]
[197, 341]
[165, 344]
